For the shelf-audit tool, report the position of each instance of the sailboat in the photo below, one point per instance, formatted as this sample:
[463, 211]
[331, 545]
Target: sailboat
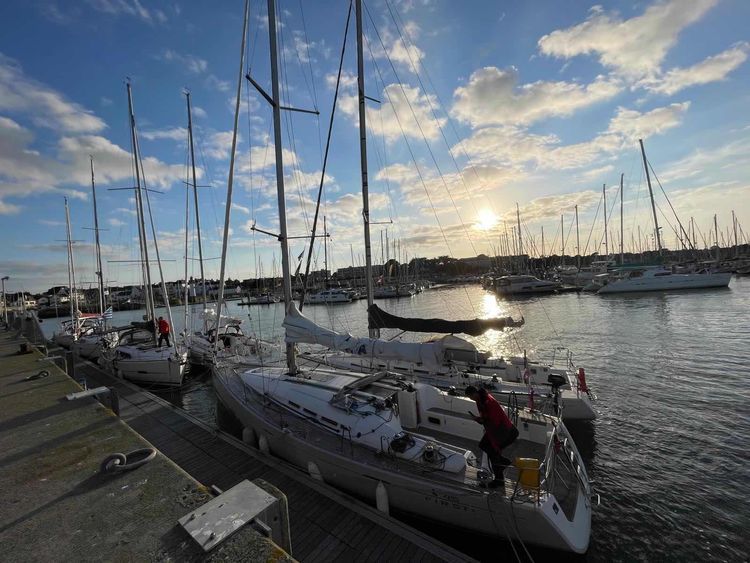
[659, 277]
[71, 330]
[90, 344]
[408, 446]
[136, 355]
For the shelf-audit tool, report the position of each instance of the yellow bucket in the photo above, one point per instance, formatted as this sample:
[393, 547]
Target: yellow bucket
[528, 472]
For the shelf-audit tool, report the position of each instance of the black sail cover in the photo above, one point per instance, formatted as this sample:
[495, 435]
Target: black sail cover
[377, 318]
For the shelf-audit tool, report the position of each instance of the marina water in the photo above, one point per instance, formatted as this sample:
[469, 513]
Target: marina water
[669, 450]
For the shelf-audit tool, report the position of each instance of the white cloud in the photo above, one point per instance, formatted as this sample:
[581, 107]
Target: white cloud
[551, 206]
[218, 145]
[405, 111]
[215, 83]
[634, 48]
[129, 8]
[115, 222]
[191, 63]
[493, 96]
[708, 163]
[515, 147]
[711, 69]
[241, 208]
[8, 208]
[47, 108]
[25, 172]
[173, 133]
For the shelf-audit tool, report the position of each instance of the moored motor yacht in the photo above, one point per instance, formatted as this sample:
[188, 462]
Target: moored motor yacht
[524, 285]
[327, 296]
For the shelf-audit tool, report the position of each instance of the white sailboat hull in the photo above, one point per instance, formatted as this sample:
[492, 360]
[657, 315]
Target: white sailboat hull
[156, 367]
[667, 283]
[476, 511]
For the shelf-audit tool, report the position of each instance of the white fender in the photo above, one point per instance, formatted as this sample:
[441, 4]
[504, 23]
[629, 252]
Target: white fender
[314, 472]
[263, 444]
[249, 437]
[381, 498]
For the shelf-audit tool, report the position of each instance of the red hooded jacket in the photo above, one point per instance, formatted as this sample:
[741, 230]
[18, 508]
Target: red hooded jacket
[496, 422]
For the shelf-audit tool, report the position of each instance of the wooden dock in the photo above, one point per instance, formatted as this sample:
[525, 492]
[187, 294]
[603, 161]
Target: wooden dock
[326, 525]
[57, 505]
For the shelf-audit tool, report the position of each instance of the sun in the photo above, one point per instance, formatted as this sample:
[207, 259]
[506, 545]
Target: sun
[486, 219]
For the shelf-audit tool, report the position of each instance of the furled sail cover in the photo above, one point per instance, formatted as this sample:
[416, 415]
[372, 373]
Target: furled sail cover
[301, 329]
[380, 319]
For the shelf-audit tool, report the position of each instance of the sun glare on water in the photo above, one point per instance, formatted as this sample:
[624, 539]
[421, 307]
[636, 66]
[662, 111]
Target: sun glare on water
[486, 220]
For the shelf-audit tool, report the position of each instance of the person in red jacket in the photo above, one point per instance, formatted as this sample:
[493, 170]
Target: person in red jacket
[499, 431]
[163, 331]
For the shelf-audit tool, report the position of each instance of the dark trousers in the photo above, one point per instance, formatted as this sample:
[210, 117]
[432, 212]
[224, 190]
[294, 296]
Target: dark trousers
[495, 455]
[164, 336]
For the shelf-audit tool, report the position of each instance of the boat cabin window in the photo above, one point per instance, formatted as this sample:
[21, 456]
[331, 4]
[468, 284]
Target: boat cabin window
[636, 274]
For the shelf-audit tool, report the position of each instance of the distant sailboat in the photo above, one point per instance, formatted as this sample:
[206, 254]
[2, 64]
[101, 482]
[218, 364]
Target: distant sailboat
[657, 278]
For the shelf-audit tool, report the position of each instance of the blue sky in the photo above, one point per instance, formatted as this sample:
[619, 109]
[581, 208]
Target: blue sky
[483, 105]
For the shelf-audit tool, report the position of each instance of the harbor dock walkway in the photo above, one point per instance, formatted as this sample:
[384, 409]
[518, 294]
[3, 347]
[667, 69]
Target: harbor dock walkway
[58, 504]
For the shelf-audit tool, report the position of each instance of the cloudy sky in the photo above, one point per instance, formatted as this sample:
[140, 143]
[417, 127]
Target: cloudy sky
[482, 105]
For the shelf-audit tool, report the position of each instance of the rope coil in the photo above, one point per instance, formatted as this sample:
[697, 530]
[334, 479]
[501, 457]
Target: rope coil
[118, 462]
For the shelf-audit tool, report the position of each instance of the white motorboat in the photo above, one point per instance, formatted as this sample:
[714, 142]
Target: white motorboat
[327, 296]
[414, 448]
[386, 292]
[524, 285]
[261, 299]
[136, 357]
[658, 279]
[580, 277]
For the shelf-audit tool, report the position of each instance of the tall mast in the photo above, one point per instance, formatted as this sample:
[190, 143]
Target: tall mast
[291, 359]
[142, 237]
[542, 256]
[562, 241]
[520, 240]
[71, 276]
[186, 304]
[606, 234]
[651, 195]
[195, 199]
[325, 252]
[230, 178]
[374, 333]
[734, 227]
[99, 274]
[578, 241]
[716, 229]
[622, 228]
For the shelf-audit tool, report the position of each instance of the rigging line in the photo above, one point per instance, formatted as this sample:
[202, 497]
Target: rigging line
[591, 231]
[670, 204]
[415, 69]
[421, 132]
[289, 125]
[165, 294]
[450, 121]
[416, 165]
